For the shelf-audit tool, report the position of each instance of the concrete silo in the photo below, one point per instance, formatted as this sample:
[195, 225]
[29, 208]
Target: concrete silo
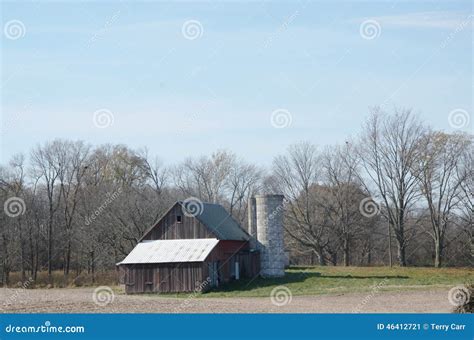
[266, 220]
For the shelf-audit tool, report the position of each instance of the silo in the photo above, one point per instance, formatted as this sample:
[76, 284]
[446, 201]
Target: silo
[269, 211]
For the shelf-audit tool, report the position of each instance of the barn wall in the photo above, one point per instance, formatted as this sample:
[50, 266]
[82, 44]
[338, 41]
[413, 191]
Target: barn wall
[187, 277]
[162, 278]
[192, 276]
[226, 253]
[168, 228]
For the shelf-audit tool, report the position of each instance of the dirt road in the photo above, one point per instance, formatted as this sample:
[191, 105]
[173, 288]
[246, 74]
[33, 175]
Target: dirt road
[81, 300]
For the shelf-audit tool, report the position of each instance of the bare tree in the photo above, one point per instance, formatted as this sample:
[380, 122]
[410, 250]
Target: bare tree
[296, 175]
[244, 180]
[47, 166]
[205, 177]
[343, 196]
[221, 178]
[155, 171]
[441, 183]
[465, 211]
[74, 156]
[390, 152]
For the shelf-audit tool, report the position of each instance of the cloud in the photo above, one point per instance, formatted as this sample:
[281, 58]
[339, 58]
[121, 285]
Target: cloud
[439, 20]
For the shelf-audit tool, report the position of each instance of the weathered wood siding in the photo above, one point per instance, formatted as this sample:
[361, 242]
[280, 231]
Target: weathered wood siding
[188, 276]
[169, 229]
[226, 254]
[191, 276]
[162, 278]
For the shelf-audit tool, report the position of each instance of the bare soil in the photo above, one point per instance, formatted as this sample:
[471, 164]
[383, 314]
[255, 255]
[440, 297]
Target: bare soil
[80, 300]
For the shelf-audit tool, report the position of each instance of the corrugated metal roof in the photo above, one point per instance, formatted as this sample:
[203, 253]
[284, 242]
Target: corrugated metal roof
[168, 251]
[216, 218]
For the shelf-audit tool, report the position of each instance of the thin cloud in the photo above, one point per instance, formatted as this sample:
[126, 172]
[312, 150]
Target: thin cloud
[439, 20]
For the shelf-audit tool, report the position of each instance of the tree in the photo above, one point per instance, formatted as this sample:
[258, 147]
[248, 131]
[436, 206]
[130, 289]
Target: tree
[441, 184]
[342, 196]
[296, 175]
[390, 152]
[47, 165]
[205, 177]
[74, 156]
[221, 178]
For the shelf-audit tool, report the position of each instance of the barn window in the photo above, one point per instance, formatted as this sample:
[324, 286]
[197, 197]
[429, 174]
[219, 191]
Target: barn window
[179, 218]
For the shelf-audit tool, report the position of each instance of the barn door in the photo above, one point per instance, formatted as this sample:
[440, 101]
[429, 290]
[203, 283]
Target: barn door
[148, 280]
[214, 273]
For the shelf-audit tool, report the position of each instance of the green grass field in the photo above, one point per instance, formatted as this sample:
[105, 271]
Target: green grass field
[300, 280]
[333, 280]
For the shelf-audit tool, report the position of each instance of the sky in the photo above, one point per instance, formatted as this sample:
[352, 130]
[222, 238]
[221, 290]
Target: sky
[186, 79]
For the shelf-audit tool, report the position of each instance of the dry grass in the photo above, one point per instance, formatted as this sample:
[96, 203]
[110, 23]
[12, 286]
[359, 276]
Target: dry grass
[59, 280]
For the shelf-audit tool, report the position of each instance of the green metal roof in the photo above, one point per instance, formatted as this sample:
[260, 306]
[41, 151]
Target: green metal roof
[219, 221]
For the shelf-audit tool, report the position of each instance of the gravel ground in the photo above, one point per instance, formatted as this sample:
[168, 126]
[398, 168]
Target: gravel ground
[78, 300]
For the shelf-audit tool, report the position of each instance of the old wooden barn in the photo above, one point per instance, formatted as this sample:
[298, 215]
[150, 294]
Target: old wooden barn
[194, 246]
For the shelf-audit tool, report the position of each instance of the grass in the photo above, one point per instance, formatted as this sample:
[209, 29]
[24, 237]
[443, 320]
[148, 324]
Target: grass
[334, 280]
[58, 280]
[300, 280]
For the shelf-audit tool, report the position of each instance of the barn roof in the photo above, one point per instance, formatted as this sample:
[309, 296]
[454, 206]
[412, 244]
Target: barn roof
[214, 217]
[170, 251]
[220, 222]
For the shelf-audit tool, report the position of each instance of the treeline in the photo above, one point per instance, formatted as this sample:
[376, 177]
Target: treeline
[399, 192]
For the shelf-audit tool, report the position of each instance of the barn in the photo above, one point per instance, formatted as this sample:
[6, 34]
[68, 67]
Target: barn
[197, 246]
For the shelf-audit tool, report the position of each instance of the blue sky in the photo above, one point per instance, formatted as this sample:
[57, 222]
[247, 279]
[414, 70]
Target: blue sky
[313, 61]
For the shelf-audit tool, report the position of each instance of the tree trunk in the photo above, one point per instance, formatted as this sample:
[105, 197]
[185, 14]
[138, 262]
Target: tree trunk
[346, 253]
[36, 266]
[6, 274]
[50, 249]
[22, 251]
[32, 253]
[320, 254]
[438, 253]
[67, 263]
[334, 258]
[92, 254]
[390, 262]
[401, 254]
